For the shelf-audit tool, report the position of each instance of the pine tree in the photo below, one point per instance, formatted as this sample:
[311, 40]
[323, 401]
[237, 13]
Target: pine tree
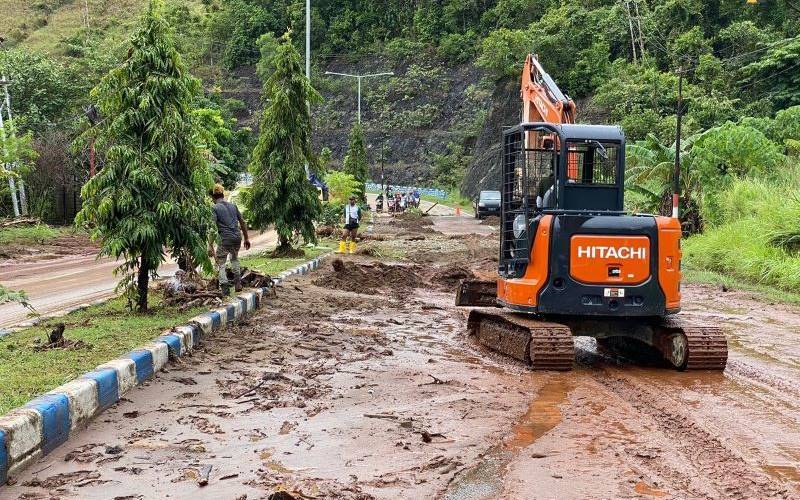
[281, 194]
[355, 163]
[151, 194]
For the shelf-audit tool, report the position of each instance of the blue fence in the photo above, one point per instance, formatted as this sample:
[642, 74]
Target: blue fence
[247, 179]
[436, 193]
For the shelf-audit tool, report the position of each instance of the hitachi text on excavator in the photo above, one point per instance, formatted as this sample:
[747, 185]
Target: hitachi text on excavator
[572, 261]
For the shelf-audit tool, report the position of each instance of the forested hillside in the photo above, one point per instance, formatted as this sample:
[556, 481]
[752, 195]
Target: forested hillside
[437, 121]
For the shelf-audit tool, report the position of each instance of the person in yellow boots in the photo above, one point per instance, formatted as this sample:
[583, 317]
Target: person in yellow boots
[352, 216]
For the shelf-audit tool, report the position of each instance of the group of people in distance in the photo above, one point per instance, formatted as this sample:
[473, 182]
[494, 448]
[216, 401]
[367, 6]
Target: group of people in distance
[398, 202]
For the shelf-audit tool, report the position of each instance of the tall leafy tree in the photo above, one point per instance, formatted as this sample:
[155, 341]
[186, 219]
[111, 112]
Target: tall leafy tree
[281, 194]
[355, 162]
[151, 195]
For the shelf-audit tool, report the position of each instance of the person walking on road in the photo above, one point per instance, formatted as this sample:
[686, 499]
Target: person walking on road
[352, 217]
[229, 221]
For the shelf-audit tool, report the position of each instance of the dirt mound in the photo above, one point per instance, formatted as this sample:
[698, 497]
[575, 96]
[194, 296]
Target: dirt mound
[492, 220]
[412, 222]
[368, 278]
[450, 276]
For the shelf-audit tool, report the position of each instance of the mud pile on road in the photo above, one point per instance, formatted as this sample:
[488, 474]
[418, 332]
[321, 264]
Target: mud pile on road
[62, 245]
[448, 277]
[412, 222]
[492, 220]
[368, 277]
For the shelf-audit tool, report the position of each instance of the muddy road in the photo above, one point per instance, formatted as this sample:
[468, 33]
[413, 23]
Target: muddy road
[357, 381]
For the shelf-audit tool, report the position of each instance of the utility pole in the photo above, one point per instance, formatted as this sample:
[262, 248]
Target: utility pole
[359, 78]
[23, 199]
[676, 176]
[308, 40]
[630, 25]
[17, 187]
[86, 13]
[11, 184]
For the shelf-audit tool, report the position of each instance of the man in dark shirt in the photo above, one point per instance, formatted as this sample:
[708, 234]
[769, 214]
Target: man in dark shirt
[228, 219]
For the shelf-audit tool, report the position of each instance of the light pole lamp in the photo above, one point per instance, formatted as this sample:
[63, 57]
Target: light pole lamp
[359, 78]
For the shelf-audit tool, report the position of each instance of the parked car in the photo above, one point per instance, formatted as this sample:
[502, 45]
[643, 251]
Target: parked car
[488, 203]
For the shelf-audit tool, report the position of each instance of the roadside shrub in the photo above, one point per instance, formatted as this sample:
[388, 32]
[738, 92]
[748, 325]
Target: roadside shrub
[331, 214]
[341, 185]
[501, 50]
[741, 249]
[730, 152]
[756, 232]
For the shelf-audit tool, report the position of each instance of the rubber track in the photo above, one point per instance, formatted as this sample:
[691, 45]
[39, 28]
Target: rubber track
[542, 345]
[706, 345]
[708, 349]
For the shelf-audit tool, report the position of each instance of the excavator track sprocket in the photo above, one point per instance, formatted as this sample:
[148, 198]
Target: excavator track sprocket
[542, 345]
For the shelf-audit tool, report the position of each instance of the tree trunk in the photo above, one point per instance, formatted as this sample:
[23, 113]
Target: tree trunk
[143, 283]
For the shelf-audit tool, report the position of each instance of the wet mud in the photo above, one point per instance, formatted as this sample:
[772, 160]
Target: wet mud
[340, 388]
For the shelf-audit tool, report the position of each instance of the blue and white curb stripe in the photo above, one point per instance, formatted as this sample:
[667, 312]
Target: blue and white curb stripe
[36, 429]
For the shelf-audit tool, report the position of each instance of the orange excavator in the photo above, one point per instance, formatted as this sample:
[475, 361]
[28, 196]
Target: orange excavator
[572, 261]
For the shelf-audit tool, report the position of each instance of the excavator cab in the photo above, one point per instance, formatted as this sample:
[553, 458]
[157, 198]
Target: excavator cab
[556, 169]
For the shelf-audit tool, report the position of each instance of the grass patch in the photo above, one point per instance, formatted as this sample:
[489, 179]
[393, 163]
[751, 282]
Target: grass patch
[265, 264]
[30, 235]
[110, 329]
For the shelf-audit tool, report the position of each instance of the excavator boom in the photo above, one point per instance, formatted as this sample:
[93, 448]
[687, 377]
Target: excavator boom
[542, 100]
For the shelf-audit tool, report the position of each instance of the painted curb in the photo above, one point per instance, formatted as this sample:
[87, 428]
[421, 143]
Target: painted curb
[43, 424]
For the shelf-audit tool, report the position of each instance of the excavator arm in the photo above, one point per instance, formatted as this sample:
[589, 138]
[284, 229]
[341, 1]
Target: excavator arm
[542, 100]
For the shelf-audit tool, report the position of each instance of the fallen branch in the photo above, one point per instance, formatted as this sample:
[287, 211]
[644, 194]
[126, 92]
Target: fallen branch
[378, 415]
[436, 381]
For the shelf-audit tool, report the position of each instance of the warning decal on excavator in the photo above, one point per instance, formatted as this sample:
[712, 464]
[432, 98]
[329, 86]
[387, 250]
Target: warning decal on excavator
[614, 292]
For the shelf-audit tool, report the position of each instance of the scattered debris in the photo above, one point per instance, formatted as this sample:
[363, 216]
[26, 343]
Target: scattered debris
[375, 415]
[113, 450]
[204, 473]
[492, 220]
[56, 340]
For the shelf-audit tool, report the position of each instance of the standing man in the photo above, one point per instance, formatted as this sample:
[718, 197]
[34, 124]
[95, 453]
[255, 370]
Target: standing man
[229, 220]
[352, 217]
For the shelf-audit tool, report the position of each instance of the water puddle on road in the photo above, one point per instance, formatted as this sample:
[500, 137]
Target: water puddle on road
[645, 489]
[785, 473]
[485, 480]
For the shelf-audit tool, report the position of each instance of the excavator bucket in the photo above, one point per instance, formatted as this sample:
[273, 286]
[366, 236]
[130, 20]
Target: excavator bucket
[476, 293]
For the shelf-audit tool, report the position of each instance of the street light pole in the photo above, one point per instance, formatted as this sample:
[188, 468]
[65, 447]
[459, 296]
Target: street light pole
[359, 78]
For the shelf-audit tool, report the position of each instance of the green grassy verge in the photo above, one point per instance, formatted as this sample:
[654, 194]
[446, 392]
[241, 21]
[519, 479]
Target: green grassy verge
[109, 330]
[763, 292]
[30, 235]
